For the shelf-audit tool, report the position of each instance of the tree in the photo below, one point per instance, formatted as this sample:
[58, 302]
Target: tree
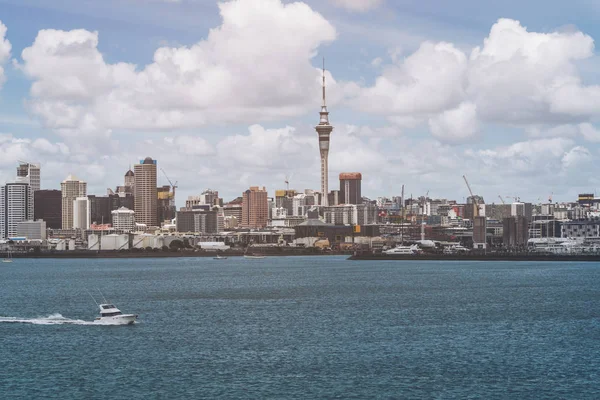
[176, 244]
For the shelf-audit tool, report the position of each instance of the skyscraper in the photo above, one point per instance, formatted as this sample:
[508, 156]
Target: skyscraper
[48, 207]
[81, 213]
[16, 205]
[324, 130]
[350, 183]
[31, 171]
[71, 189]
[145, 192]
[255, 208]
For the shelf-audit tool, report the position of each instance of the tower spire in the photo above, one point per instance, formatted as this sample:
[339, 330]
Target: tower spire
[324, 104]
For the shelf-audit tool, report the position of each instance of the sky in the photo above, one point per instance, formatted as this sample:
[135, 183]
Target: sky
[225, 95]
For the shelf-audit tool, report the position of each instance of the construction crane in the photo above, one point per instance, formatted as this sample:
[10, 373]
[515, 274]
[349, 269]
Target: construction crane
[287, 183]
[501, 199]
[173, 186]
[475, 202]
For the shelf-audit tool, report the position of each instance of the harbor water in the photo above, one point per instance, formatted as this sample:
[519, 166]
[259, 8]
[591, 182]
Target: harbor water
[300, 328]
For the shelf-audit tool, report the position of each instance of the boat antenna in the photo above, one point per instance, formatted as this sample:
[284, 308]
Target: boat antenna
[103, 298]
[92, 297]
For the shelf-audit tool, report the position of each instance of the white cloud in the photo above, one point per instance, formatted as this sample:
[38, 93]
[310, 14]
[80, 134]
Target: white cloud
[5, 48]
[516, 77]
[255, 66]
[589, 132]
[358, 5]
[456, 125]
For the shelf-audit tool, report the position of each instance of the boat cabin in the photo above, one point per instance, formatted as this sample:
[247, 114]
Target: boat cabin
[109, 310]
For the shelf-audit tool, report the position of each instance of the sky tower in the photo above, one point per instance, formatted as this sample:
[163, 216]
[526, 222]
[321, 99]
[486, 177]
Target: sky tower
[324, 130]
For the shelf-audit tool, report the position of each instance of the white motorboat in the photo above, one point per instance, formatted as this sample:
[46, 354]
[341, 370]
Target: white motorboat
[253, 257]
[218, 257]
[112, 315]
[414, 249]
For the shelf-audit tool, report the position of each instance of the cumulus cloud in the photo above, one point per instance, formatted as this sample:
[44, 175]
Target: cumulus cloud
[516, 77]
[456, 125]
[5, 48]
[243, 71]
[358, 5]
[589, 132]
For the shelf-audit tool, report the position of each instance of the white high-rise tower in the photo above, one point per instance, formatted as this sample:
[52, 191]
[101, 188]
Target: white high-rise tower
[324, 130]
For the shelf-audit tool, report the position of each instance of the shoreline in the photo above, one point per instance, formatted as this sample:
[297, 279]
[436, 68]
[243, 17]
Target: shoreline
[477, 257]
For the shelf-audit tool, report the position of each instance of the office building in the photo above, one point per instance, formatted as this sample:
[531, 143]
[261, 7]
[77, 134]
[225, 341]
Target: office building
[32, 230]
[31, 171]
[350, 183]
[81, 213]
[71, 188]
[324, 131]
[16, 205]
[165, 203]
[145, 192]
[255, 208]
[47, 206]
[197, 221]
[123, 219]
[479, 232]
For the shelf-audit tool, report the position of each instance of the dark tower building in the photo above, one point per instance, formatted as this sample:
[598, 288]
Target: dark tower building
[350, 183]
[47, 205]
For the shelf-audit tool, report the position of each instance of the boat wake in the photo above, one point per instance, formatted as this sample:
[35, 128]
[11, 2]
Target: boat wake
[56, 319]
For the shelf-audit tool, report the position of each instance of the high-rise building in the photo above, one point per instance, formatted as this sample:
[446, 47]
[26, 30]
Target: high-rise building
[16, 205]
[81, 213]
[350, 183]
[47, 206]
[324, 131]
[255, 208]
[129, 179]
[123, 219]
[165, 204]
[145, 192]
[71, 188]
[31, 171]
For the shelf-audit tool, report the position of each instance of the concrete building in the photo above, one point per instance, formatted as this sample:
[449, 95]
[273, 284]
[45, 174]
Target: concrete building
[351, 214]
[515, 231]
[71, 188]
[208, 197]
[324, 131]
[32, 172]
[479, 232]
[81, 213]
[580, 229]
[350, 185]
[146, 194]
[123, 219]
[198, 221]
[16, 205]
[521, 209]
[165, 205]
[255, 208]
[47, 206]
[32, 230]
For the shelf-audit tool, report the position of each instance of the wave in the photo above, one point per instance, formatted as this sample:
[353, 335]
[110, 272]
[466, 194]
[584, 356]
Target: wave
[55, 319]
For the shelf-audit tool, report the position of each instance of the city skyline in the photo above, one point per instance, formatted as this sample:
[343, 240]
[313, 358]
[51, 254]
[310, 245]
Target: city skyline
[523, 120]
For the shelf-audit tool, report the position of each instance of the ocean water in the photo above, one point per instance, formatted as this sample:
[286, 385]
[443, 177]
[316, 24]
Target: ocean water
[300, 328]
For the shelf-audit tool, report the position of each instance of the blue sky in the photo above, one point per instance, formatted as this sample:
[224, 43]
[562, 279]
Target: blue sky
[232, 96]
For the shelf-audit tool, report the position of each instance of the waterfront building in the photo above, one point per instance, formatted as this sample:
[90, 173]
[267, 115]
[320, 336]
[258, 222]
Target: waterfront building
[145, 192]
[198, 221]
[16, 205]
[324, 131]
[71, 188]
[515, 231]
[350, 188]
[580, 229]
[32, 172]
[32, 230]
[123, 219]
[47, 206]
[255, 208]
[81, 213]
[351, 214]
[479, 232]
